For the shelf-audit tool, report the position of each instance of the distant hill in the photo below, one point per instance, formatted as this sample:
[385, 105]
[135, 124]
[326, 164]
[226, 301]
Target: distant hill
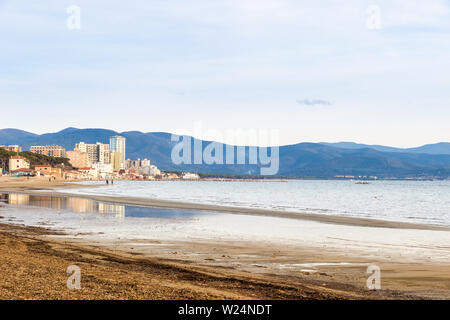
[14, 135]
[321, 160]
[437, 148]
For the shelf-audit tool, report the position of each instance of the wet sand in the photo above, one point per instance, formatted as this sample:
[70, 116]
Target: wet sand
[33, 262]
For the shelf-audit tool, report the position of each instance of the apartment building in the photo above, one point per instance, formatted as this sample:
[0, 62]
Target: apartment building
[18, 162]
[118, 144]
[51, 151]
[137, 163]
[116, 160]
[78, 159]
[154, 171]
[98, 152]
[11, 148]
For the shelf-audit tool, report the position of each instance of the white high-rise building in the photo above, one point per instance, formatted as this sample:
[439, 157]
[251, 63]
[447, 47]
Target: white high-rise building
[129, 164]
[98, 152]
[118, 144]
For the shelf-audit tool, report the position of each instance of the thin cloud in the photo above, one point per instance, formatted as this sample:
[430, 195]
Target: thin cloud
[315, 102]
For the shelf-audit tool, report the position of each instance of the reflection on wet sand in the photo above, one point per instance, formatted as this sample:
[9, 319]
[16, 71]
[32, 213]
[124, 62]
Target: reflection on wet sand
[82, 205]
[64, 203]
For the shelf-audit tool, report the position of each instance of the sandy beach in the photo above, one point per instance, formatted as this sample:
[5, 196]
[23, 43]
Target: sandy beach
[35, 260]
[34, 267]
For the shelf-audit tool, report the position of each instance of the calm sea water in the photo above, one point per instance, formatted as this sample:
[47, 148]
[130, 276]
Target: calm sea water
[410, 201]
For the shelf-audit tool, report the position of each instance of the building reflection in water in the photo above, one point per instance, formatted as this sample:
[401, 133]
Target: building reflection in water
[79, 205]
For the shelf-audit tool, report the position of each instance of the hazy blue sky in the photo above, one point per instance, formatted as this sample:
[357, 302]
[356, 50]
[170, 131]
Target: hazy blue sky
[316, 72]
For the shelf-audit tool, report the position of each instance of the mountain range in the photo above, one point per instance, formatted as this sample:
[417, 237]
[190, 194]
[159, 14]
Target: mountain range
[321, 160]
[437, 148]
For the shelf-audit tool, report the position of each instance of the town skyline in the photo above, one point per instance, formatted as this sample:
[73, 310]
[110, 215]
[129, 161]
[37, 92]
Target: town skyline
[86, 161]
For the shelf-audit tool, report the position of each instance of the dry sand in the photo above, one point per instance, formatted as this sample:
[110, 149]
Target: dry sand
[33, 264]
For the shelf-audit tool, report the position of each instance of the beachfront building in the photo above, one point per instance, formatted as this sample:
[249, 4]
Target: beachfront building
[148, 171]
[57, 172]
[89, 173]
[104, 170]
[105, 154]
[154, 171]
[116, 160]
[135, 164]
[128, 164]
[89, 149]
[118, 144]
[43, 170]
[11, 148]
[78, 159]
[18, 162]
[98, 152]
[47, 170]
[73, 175]
[143, 167]
[171, 175]
[50, 150]
[190, 176]
[22, 172]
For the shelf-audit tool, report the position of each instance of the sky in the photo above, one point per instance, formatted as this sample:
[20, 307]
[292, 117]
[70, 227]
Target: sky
[375, 72]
